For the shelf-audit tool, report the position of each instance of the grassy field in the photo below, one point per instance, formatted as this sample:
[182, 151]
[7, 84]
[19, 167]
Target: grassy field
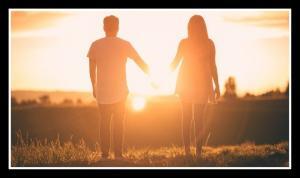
[45, 153]
[230, 123]
[243, 133]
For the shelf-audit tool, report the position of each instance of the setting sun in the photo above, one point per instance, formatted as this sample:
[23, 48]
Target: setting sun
[138, 103]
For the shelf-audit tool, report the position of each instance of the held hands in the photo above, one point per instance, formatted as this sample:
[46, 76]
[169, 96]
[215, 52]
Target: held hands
[159, 77]
[154, 84]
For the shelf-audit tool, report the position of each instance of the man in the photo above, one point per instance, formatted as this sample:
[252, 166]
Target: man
[107, 58]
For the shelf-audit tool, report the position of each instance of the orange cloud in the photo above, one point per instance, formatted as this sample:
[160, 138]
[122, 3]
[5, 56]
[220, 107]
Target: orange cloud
[264, 19]
[27, 21]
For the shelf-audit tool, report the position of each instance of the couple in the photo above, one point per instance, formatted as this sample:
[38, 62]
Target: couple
[107, 61]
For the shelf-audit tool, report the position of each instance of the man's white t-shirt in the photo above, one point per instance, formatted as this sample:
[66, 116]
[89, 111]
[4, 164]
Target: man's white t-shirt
[110, 55]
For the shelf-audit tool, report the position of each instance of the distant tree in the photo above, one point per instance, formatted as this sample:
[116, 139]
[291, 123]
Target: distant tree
[277, 92]
[273, 93]
[67, 101]
[29, 102]
[14, 101]
[287, 90]
[249, 95]
[267, 94]
[78, 102]
[230, 88]
[45, 99]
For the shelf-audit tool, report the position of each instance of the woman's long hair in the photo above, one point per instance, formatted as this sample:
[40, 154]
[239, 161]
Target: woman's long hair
[197, 34]
[197, 30]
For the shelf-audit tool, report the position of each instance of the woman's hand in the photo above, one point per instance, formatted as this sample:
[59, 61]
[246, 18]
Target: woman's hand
[217, 93]
[94, 92]
[214, 95]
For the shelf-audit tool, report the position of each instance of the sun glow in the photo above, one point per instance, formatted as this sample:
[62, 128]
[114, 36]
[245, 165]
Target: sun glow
[138, 103]
[50, 53]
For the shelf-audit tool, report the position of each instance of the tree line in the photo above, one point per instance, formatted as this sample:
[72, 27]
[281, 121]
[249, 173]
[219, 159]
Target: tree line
[230, 93]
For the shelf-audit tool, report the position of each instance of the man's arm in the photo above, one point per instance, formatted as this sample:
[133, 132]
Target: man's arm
[93, 75]
[138, 60]
[145, 68]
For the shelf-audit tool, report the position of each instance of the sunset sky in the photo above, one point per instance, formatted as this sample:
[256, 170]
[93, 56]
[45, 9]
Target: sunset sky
[48, 48]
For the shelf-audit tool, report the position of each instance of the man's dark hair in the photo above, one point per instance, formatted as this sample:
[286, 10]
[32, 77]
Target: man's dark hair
[111, 24]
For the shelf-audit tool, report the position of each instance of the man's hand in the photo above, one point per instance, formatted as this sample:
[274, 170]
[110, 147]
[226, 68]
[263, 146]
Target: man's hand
[147, 69]
[172, 67]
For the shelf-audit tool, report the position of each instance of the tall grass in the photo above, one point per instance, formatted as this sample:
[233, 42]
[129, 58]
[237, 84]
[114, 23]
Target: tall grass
[36, 152]
[39, 153]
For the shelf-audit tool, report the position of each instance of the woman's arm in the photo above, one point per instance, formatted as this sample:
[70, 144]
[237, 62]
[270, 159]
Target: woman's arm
[177, 58]
[213, 69]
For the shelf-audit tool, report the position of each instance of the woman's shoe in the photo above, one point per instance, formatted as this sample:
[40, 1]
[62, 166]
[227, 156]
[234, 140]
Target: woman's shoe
[187, 151]
[199, 148]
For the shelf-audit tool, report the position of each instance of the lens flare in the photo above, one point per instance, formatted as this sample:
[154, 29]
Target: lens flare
[138, 103]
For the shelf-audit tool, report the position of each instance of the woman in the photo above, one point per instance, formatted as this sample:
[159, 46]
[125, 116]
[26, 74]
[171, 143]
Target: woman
[194, 83]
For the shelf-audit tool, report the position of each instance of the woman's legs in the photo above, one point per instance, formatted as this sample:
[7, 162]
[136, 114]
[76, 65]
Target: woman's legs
[199, 111]
[186, 125]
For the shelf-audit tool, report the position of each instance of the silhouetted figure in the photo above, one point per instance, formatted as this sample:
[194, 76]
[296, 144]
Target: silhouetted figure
[108, 57]
[194, 83]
